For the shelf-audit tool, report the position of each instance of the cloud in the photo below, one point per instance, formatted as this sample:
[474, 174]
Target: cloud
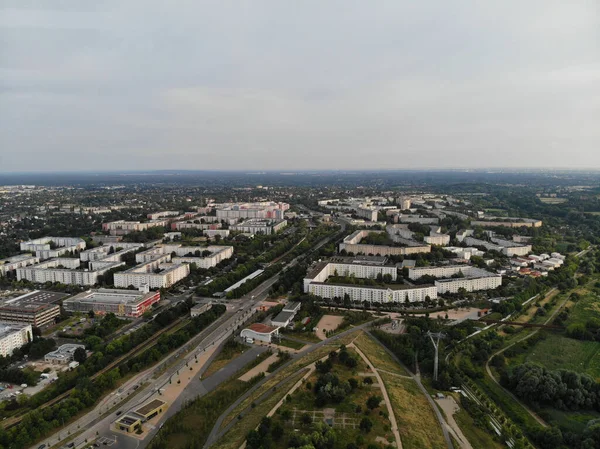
[267, 85]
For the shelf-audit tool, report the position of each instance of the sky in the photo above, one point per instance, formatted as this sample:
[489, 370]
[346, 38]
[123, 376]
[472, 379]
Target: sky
[293, 85]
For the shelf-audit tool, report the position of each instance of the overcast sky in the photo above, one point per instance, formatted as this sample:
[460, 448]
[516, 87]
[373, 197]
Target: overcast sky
[276, 84]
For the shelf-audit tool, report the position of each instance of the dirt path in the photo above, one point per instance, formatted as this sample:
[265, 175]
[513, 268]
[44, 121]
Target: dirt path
[386, 398]
[328, 323]
[260, 368]
[450, 407]
[489, 371]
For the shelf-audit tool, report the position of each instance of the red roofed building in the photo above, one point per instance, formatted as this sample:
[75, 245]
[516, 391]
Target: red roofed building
[261, 332]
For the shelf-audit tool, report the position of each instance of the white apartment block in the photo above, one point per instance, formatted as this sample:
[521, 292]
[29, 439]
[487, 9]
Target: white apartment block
[163, 214]
[352, 244]
[465, 253]
[122, 227]
[265, 209]
[13, 336]
[146, 274]
[444, 271]
[324, 270]
[507, 247]
[43, 246]
[260, 226]
[470, 284]
[181, 225]
[212, 233]
[51, 271]
[12, 263]
[368, 213]
[508, 222]
[186, 254]
[418, 219]
[373, 294]
[316, 284]
[437, 239]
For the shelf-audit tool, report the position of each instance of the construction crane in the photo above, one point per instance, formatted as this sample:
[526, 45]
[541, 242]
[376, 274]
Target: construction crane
[436, 344]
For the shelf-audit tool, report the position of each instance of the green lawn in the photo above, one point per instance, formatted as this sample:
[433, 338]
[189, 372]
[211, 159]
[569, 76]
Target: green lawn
[557, 351]
[290, 344]
[584, 309]
[570, 421]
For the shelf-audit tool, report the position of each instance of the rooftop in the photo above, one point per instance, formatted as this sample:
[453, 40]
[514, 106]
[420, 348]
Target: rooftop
[262, 328]
[148, 408]
[10, 328]
[32, 301]
[114, 296]
[283, 316]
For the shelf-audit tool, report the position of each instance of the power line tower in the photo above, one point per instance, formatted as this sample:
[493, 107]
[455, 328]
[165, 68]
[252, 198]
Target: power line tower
[436, 344]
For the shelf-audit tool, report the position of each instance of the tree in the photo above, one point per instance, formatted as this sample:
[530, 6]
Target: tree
[366, 425]
[373, 402]
[305, 419]
[80, 355]
[91, 314]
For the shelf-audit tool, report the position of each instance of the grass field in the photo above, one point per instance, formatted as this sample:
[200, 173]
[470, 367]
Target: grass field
[417, 424]
[546, 200]
[571, 421]
[476, 436]
[290, 344]
[587, 307]
[557, 351]
[227, 354]
[377, 354]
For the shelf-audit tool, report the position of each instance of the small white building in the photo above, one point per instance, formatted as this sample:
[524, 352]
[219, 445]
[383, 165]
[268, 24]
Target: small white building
[260, 332]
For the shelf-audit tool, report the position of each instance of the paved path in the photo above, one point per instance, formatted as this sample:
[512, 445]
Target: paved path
[450, 407]
[386, 398]
[417, 379]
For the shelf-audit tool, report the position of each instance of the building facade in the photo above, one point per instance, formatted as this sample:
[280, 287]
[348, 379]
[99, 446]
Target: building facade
[13, 336]
[124, 303]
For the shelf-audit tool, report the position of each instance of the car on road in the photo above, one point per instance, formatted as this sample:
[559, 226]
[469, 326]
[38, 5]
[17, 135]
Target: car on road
[119, 412]
[41, 446]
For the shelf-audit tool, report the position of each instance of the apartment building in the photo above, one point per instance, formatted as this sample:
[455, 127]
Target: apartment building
[260, 226]
[474, 278]
[13, 336]
[265, 209]
[122, 227]
[51, 247]
[12, 263]
[352, 244]
[368, 213]
[400, 294]
[156, 274]
[65, 271]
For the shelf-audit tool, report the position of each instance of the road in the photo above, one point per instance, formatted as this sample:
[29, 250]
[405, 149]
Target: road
[97, 423]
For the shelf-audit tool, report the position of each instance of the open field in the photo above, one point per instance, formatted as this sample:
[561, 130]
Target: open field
[572, 421]
[557, 351]
[290, 344]
[417, 423]
[229, 352]
[585, 308]
[260, 368]
[546, 200]
[377, 355]
[328, 323]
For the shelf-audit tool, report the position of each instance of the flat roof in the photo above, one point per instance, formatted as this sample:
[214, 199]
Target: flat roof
[291, 305]
[111, 296]
[148, 408]
[262, 328]
[380, 287]
[283, 316]
[32, 301]
[128, 420]
[10, 328]
[17, 258]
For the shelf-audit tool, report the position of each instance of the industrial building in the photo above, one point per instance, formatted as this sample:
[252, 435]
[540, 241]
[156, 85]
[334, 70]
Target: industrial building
[37, 308]
[13, 336]
[124, 303]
